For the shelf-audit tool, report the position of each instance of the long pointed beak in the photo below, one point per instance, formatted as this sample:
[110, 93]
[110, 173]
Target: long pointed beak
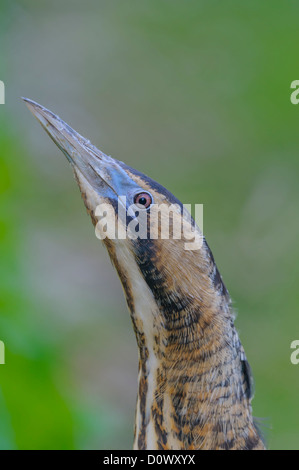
[100, 170]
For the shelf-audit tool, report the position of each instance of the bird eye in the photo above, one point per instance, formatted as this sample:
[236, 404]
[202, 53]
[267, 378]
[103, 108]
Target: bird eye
[143, 199]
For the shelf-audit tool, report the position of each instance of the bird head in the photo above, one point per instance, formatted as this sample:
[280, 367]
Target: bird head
[147, 232]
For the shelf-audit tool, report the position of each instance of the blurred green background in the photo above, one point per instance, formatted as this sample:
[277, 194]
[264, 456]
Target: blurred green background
[196, 95]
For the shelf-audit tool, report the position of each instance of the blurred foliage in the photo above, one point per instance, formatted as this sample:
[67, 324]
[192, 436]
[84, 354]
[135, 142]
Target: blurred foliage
[196, 95]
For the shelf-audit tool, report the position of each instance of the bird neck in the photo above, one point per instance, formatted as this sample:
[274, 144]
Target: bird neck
[193, 393]
[194, 385]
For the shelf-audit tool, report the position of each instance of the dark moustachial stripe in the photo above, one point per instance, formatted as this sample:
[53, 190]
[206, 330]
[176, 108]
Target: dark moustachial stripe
[142, 391]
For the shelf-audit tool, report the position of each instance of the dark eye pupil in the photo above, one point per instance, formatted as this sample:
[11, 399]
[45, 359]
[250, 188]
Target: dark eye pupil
[142, 201]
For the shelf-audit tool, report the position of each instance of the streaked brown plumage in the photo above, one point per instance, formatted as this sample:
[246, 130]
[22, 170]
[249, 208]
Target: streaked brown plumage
[195, 385]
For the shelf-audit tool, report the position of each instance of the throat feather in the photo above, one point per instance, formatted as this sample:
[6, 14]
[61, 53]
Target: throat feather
[193, 389]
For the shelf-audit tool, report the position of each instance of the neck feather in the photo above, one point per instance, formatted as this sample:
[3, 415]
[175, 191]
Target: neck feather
[194, 389]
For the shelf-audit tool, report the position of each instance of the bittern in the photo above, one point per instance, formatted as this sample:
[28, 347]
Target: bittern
[194, 381]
